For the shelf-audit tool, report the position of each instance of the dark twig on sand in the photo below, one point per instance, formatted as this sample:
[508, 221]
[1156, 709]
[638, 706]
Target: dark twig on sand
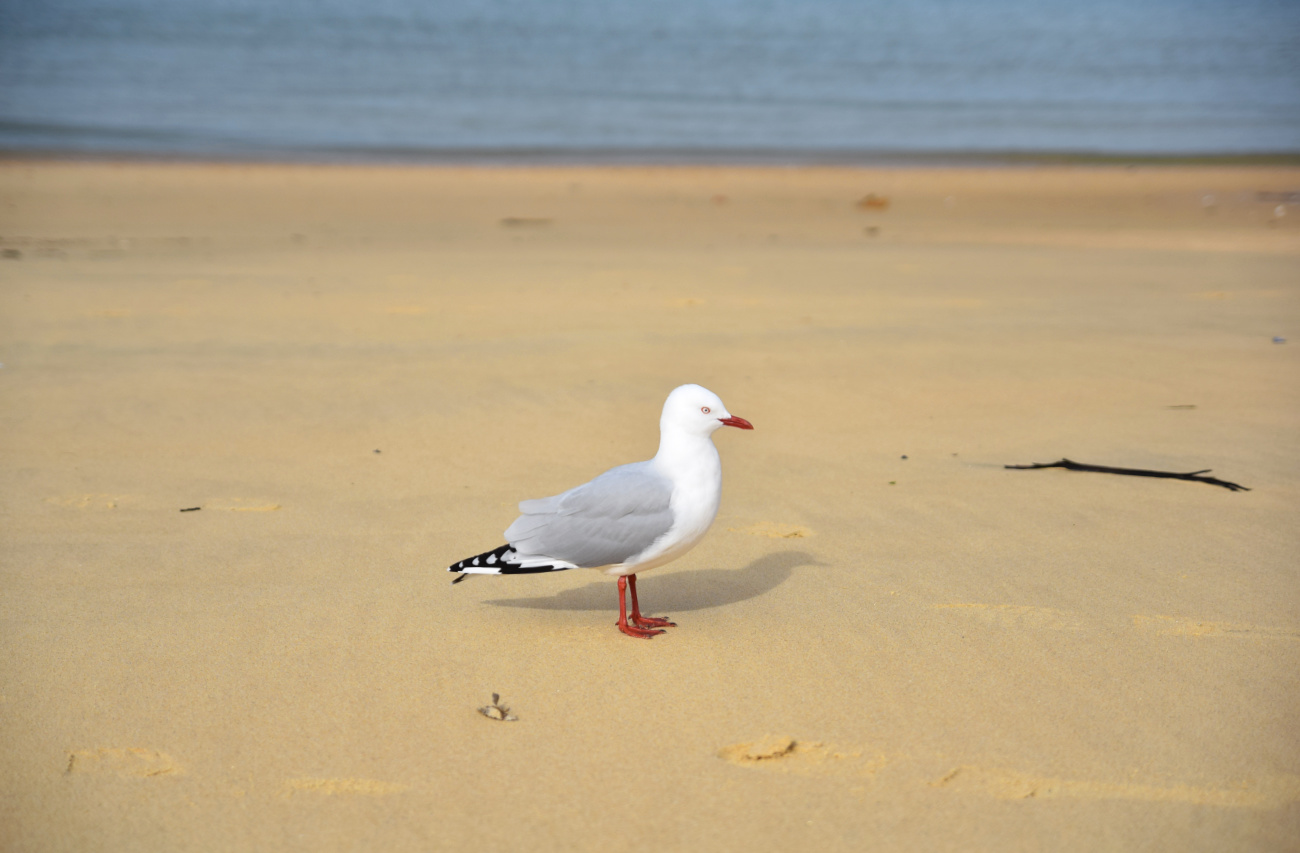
[1135, 472]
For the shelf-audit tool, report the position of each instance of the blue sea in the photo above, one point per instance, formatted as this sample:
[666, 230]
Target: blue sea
[711, 80]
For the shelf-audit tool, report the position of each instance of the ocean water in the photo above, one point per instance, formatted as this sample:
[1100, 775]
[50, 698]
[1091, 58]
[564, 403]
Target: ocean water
[657, 79]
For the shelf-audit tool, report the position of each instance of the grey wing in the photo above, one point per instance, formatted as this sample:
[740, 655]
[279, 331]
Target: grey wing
[608, 520]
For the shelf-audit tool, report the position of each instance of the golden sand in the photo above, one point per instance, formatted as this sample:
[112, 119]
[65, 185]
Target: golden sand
[251, 413]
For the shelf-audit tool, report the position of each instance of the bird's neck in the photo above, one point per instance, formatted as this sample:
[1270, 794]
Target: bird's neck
[687, 454]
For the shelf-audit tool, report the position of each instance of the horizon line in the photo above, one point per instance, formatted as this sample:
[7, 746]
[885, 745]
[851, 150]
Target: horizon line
[647, 156]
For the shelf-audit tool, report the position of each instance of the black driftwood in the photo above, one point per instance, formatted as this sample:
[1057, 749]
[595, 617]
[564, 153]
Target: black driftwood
[1194, 476]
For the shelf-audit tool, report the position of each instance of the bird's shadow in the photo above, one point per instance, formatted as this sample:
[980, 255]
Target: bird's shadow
[679, 592]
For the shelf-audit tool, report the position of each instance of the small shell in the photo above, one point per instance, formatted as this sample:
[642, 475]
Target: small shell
[497, 711]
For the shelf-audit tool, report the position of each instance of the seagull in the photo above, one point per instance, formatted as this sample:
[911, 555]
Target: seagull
[629, 519]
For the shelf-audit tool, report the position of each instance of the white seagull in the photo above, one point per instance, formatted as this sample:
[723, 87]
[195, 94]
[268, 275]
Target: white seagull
[629, 519]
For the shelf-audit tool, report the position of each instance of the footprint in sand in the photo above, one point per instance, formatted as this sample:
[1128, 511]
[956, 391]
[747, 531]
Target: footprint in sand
[243, 505]
[774, 530]
[132, 762]
[774, 749]
[1170, 626]
[337, 787]
[87, 501]
[1016, 616]
[1268, 793]
[780, 752]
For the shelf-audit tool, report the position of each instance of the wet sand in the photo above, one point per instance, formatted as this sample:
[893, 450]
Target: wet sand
[349, 376]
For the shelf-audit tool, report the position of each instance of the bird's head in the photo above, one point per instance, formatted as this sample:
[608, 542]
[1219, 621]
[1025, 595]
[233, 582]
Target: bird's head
[697, 410]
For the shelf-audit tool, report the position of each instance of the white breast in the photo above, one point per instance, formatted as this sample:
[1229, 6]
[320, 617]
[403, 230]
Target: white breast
[697, 491]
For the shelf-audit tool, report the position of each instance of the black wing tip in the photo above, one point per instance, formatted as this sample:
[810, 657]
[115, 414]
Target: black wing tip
[480, 560]
[499, 566]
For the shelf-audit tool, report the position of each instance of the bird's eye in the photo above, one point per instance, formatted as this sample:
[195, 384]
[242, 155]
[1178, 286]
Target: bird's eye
[704, 409]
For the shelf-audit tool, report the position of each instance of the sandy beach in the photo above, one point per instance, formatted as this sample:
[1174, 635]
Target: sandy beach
[347, 377]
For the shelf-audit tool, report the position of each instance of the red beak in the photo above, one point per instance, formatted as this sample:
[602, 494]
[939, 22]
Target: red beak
[737, 422]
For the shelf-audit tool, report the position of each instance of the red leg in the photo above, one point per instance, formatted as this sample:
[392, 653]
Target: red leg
[630, 630]
[645, 621]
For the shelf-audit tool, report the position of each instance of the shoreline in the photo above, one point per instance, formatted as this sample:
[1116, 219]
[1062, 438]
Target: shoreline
[685, 157]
